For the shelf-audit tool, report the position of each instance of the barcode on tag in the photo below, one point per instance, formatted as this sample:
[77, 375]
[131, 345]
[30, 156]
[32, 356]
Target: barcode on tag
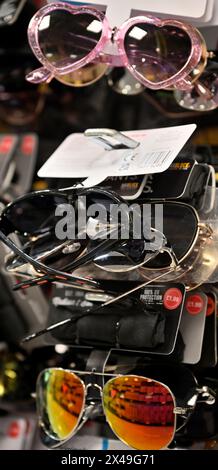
[156, 158]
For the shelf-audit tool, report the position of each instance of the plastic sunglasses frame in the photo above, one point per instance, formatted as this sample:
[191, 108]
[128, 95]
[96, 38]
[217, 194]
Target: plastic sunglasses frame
[196, 60]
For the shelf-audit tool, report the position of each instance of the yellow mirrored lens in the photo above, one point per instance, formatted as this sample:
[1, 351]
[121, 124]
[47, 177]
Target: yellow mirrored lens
[140, 412]
[84, 76]
[60, 401]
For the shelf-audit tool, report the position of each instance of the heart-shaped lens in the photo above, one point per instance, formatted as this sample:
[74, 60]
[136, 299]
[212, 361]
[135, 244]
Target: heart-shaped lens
[156, 54]
[66, 38]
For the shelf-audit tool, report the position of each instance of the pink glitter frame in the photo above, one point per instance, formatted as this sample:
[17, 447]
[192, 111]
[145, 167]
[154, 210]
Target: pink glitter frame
[181, 79]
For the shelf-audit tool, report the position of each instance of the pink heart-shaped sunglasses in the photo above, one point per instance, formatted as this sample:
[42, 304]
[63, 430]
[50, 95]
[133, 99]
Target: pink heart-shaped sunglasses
[76, 45]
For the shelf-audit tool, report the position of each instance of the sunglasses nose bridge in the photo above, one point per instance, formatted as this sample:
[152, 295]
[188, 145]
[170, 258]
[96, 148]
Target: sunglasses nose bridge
[94, 386]
[112, 52]
[93, 398]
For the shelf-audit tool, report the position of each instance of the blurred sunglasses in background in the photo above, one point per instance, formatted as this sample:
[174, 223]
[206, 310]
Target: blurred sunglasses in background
[20, 102]
[203, 96]
[122, 82]
[70, 43]
[10, 11]
[142, 412]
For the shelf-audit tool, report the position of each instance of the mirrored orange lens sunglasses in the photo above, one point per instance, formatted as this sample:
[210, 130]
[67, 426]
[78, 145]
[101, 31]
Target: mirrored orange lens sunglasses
[141, 411]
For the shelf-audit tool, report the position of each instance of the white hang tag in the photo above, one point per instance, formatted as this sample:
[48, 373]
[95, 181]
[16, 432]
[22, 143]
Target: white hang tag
[81, 157]
[117, 12]
[87, 183]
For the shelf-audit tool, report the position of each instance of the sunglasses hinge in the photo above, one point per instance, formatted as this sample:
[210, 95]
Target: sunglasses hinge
[205, 229]
[178, 410]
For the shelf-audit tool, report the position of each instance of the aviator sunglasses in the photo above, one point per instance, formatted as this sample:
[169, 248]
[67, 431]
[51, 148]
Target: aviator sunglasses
[34, 217]
[141, 411]
[70, 43]
[133, 254]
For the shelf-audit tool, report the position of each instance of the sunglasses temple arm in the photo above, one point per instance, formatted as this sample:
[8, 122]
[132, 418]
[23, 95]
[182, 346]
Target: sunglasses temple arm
[41, 75]
[48, 279]
[74, 265]
[36, 281]
[46, 269]
[105, 304]
[132, 291]
[46, 330]
[43, 280]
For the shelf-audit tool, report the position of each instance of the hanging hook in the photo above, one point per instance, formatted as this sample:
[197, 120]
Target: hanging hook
[111, 139]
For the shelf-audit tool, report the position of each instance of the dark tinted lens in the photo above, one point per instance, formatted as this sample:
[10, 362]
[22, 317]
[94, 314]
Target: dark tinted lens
[157, 53]
[20, 101]
[180, 226]
[123, 82]
[125, 257]
[20, 108]
[14, 68]
[34, 214]
[65, 38]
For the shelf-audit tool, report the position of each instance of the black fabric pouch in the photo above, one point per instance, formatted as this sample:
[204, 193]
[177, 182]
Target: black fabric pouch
[143, 330]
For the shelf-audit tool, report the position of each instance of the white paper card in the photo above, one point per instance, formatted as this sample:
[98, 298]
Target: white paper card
[117, 12]
[80, 157]
[192, 326]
